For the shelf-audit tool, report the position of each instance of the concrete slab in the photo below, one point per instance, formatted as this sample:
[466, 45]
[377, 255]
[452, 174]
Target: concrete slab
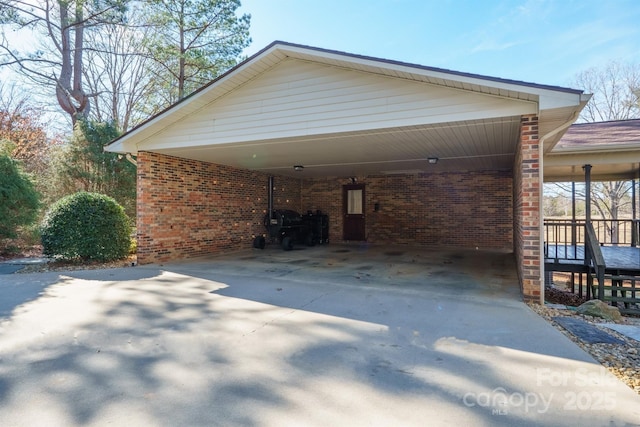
[273, 339]
[6, 268]
[631, 331]
[586, 332]
[556, 306]
[16, 264]
[26, 261]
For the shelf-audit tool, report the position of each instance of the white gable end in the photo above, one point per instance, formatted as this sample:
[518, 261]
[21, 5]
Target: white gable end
[297, 98]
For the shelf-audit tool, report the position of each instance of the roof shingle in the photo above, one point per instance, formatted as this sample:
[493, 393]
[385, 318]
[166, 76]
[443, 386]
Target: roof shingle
[599, 134]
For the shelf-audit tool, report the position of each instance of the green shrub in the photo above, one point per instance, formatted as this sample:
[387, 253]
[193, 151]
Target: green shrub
[86, 226]
[19, 200]
[133, 247]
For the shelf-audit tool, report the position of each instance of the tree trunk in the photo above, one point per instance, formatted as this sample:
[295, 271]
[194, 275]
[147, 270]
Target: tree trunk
[182, 62]
[70, 96]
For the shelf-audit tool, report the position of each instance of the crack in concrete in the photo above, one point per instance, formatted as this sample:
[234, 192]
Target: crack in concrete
[303, 306]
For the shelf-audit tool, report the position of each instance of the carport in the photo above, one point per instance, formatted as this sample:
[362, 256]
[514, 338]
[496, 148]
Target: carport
[436, 158]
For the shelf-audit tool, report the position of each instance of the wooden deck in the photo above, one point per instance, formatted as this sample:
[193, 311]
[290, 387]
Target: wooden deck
[616, 277]
[621, 258]
[620, 279]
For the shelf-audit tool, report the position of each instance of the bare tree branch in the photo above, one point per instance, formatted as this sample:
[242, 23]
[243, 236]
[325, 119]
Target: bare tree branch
[62, 25]
[615, 90]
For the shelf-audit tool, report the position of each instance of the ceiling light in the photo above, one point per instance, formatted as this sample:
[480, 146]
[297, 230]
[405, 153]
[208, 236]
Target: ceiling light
[298, 167]
[432, 160]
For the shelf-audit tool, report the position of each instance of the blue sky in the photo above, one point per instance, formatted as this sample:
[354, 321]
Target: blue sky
[539, 41]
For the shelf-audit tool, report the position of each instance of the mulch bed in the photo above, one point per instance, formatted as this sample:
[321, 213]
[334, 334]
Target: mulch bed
[558, 296]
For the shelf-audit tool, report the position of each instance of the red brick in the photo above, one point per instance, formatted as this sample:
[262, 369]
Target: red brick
[527, 190]
[188, 208]
[468, 210]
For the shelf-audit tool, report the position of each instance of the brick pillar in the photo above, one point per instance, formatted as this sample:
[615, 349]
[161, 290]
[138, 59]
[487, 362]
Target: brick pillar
[145, 218]
[527, 221]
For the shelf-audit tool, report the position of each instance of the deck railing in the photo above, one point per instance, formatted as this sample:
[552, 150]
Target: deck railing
[623, 232]
[567, 234]
[562, 238]
[571, 244]
[593, 257]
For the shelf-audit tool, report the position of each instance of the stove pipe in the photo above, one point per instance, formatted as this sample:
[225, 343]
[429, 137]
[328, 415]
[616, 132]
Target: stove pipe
[270, 201]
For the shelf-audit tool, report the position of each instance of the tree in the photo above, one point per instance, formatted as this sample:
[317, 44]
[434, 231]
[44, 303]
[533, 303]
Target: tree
[611, 198]
[195, 41]
[25, 138]
[616, 92]
[85, 166]
[22, 128]
[103, 61]
[120, 72]
[58, 61]
[19, 201]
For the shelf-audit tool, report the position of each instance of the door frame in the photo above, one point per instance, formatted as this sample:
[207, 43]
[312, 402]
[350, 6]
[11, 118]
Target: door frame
[350, 218]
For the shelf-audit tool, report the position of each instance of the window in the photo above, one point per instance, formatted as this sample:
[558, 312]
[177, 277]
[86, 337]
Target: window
[354, 202]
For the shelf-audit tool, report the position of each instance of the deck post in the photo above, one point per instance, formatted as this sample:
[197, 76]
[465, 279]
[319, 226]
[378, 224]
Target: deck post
[587, 207]
[587, 223]
[574, 240]
[587, 192]
[634, 215]
[633, 199]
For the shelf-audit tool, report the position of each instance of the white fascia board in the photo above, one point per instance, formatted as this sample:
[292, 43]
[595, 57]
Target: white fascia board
[601, 157]
[550, 100]
[627, 147]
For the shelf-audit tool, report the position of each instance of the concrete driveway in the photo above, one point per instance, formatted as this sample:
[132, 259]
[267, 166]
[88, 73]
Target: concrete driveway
[331, 335]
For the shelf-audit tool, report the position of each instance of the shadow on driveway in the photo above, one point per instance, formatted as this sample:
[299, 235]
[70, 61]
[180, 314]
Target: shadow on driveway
[214, 343]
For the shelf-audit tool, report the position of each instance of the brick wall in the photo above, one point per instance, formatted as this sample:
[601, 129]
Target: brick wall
[527, 191]
[451, 209]
[188, 208]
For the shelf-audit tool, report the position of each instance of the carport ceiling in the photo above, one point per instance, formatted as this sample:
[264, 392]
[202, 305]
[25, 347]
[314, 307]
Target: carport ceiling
[469, 145]
[339, 114]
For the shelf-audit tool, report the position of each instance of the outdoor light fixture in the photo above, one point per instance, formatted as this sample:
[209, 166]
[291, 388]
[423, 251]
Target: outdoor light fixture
[432, 160]
[298, 167]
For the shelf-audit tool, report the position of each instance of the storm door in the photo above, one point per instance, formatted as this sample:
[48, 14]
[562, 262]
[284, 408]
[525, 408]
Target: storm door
[354, 209]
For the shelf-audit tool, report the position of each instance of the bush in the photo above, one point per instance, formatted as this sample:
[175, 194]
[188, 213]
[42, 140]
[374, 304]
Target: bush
[86, 226]
[19, 200]
[133, 247]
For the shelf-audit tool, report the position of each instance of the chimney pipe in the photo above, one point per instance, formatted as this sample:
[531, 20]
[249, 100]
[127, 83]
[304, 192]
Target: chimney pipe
[270, 199]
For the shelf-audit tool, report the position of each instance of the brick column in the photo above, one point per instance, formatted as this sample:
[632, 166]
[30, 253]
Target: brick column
[527, 221]
[145, 217]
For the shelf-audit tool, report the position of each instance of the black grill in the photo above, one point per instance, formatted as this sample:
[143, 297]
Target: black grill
[287, 227]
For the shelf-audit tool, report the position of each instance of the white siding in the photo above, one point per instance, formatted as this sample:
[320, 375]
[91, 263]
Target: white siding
[298, 98]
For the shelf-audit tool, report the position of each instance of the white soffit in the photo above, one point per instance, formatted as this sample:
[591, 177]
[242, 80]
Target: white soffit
[469, 145]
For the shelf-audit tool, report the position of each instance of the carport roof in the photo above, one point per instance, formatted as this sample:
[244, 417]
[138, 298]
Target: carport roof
[612, 148]
[364, 115]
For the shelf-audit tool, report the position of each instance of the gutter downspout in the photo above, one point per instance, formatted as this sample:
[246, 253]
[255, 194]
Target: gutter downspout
[131, 159]
[541, 141]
